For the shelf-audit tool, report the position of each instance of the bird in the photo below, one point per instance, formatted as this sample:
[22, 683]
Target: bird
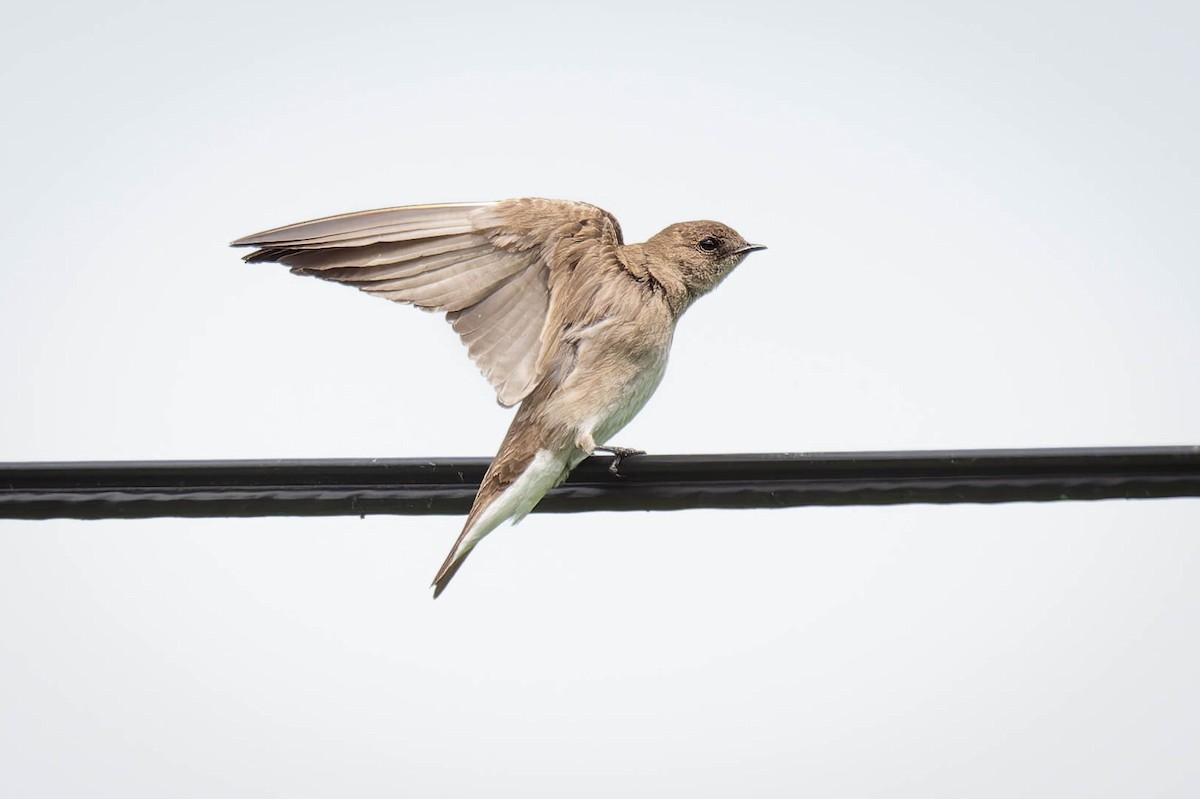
[561, 316]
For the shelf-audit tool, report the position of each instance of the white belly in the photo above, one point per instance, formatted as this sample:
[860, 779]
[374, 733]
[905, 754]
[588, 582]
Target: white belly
[618, 367]
[628, 402]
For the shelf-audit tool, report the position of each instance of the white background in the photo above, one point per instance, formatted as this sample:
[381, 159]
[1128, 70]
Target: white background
[982, 220]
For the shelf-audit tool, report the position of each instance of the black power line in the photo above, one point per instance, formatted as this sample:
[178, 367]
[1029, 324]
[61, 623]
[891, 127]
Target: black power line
[131, 490]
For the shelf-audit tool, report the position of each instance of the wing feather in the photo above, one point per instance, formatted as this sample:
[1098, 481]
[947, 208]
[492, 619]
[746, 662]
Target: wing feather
[490, 266]
[356, 229]
[503, 336]
[452, 288]
[385, 253]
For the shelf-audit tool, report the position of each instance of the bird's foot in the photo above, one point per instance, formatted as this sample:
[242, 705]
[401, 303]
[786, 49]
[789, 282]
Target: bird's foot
[618, 453]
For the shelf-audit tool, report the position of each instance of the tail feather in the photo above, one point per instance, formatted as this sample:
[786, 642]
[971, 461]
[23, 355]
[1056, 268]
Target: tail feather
[450, 568]
[501, 498]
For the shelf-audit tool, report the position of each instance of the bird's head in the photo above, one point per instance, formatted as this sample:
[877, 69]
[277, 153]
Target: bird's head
[700, 254]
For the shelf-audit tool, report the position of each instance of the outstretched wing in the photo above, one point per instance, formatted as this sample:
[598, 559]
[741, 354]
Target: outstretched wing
[488, 266]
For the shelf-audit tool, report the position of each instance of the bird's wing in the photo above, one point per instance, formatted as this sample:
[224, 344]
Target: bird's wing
[491, 267]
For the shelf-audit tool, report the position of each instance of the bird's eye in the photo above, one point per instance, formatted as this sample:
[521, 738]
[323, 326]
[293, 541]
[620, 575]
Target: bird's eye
[709, 244]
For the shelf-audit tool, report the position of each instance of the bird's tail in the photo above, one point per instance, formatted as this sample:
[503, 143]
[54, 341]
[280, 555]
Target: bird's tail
[499, 500]
[449, 568]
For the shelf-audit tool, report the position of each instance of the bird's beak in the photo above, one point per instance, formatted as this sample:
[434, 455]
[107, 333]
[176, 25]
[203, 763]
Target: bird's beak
[751, 248]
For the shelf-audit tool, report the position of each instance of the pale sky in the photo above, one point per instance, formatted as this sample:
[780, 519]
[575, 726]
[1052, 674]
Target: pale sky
[982, 226]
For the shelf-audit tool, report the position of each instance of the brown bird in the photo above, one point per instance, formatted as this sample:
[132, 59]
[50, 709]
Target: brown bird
[556, 310]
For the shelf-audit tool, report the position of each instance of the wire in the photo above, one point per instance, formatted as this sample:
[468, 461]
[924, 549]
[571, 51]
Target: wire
[418, 486]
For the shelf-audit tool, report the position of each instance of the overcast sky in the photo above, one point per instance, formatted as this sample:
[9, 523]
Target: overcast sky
[982, 224]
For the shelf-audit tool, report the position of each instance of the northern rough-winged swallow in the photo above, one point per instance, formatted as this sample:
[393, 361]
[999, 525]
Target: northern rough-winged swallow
[556, 310]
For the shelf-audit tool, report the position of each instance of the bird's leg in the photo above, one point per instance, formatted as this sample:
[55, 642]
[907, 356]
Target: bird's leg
[618, 453]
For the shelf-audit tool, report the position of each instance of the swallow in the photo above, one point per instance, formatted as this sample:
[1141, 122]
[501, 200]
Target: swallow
[559, 314]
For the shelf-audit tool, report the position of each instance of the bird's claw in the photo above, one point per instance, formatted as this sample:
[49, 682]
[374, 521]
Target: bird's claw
[618, 453]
